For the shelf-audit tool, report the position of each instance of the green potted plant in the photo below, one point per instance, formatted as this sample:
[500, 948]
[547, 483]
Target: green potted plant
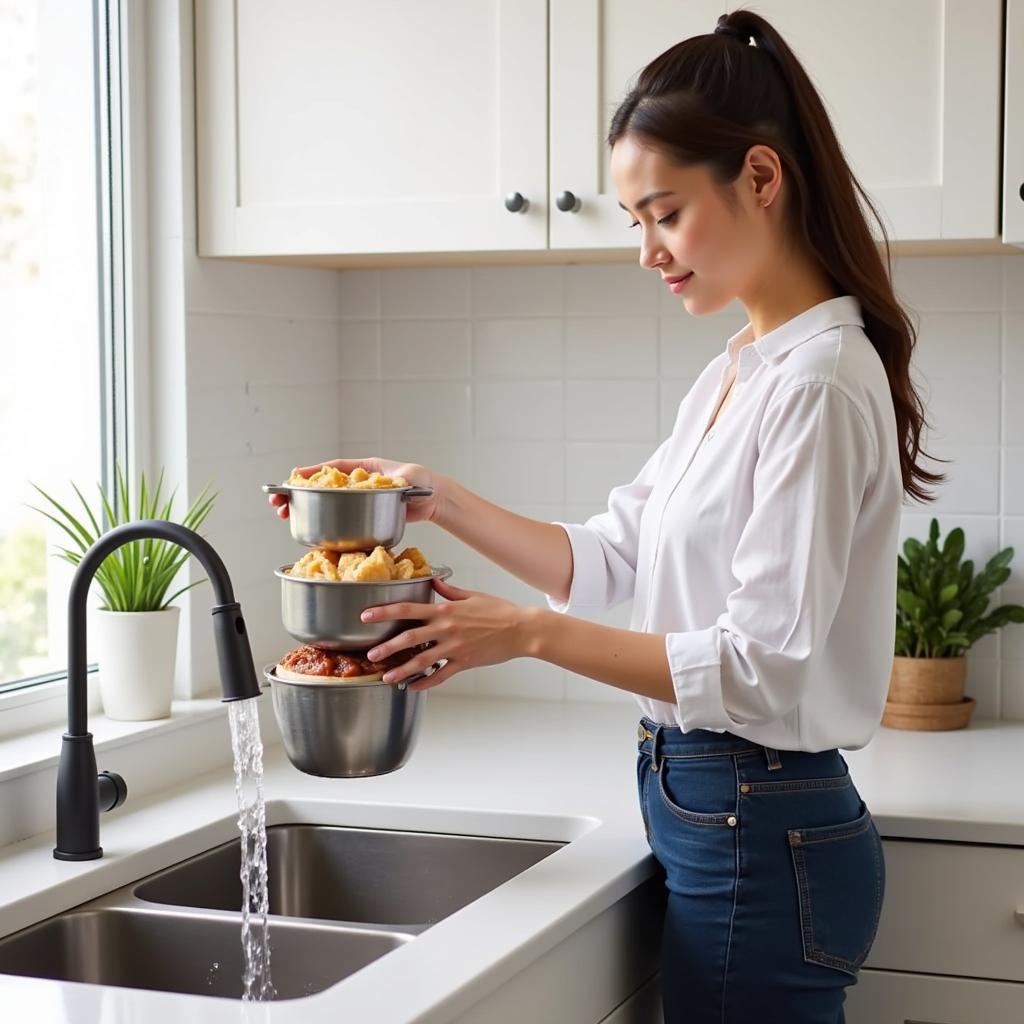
[136, 626]
[940, 612]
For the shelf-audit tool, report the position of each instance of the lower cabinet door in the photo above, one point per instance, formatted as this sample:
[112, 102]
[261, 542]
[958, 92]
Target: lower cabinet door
[642, 1007]
[897, 997]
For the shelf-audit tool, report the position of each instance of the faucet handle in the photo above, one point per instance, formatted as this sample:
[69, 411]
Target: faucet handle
[112, 790]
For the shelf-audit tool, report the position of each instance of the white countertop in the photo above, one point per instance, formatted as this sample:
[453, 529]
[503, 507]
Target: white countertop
[486, 766]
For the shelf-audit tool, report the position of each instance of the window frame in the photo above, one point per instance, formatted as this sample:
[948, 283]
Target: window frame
[33, 700]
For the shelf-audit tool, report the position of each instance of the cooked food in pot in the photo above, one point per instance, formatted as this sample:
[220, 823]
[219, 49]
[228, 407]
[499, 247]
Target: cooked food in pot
[358, 479]
[309, 664]
[360, 566]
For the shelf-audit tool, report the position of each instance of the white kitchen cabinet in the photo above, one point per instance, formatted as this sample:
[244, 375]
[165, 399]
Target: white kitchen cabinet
[951, 908]
[642, 1007]
[592, 974]
[950, 944]
[912, 88]
[330, 131]
[895, 997]
[1013, 126]
[338, 126]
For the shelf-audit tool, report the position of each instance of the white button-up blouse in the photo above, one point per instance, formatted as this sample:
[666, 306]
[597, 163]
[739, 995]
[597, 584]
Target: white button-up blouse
[766, 548]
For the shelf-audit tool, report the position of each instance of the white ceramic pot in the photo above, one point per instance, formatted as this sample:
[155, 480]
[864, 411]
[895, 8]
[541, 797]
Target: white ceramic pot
[135, 652]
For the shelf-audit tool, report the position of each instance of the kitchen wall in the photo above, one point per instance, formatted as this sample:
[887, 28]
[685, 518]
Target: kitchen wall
[543, 387]
[538, 387]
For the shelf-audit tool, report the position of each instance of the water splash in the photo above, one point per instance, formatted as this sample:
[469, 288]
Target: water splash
[252, 824]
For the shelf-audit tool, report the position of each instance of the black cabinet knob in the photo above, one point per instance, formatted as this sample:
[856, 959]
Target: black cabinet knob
[568, 202]
[516, 202]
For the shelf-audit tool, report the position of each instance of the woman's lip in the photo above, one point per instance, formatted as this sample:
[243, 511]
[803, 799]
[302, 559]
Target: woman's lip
[678, 283]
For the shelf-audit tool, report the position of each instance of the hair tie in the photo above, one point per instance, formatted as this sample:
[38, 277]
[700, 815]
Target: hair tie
[723, 28]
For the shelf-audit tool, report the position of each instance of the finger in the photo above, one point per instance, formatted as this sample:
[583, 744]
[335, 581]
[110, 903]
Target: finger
[450, 592]
[410, 638]
[400, 610]
[412, 667]
[280, 507]
[435, 678]
[277, 499]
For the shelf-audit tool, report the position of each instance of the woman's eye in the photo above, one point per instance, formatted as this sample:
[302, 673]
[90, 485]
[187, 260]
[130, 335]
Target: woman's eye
[664, 220]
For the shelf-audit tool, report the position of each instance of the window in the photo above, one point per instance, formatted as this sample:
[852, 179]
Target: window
[60, 366]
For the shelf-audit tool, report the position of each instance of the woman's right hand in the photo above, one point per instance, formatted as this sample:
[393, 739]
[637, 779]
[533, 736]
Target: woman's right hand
[417, 509]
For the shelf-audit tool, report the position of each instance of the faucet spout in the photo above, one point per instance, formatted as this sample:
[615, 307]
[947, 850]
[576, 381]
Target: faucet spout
[80, 790]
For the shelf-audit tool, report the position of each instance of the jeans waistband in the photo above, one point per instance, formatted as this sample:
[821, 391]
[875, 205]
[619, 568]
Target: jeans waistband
[670, 741]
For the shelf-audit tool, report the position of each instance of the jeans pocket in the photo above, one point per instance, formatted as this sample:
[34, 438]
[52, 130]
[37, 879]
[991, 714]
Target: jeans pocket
[840, 879]
[700, 791]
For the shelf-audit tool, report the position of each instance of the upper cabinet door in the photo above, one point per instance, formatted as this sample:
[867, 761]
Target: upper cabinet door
[912, 88]
[341, 126]
[1013, 116]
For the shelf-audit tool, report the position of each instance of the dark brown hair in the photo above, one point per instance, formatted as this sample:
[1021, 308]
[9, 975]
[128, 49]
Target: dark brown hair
[706, 101]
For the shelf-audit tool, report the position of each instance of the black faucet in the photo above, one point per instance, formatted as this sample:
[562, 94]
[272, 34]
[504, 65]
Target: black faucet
[81, 792]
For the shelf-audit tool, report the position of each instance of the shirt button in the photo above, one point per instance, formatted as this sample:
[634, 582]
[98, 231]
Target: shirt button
[731, 819]
[640, 732]
[744, 788]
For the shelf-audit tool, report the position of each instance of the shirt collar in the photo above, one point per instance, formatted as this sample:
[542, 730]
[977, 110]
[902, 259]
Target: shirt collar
[843, 309]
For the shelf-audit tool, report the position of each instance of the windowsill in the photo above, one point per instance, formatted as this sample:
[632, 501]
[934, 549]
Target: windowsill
[40, 749]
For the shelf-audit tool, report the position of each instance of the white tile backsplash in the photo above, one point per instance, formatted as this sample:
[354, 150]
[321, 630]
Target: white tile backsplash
[611, 410]
[424, 349]
[543, 387]
[507, 410]
[616, 347]
[531, 347]
[428, 291]
[429, 410]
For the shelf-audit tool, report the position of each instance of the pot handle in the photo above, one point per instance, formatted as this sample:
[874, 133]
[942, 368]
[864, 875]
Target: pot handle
[276, 489]
[417, 492]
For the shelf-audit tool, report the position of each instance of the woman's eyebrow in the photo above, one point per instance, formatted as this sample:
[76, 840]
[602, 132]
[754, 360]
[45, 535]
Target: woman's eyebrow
[648, 199]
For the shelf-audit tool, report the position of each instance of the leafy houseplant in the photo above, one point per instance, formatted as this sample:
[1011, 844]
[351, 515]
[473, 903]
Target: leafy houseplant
[940, 612]
[137, 626]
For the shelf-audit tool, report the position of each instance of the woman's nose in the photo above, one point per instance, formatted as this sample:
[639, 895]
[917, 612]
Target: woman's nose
[651, 256]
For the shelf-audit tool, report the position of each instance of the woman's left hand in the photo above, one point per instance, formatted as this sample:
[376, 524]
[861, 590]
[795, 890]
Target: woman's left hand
[468, 630]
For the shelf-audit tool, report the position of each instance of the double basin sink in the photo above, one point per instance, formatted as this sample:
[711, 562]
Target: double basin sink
[339, 899]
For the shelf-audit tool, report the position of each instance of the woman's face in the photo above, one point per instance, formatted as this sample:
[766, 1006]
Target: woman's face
[688, 228]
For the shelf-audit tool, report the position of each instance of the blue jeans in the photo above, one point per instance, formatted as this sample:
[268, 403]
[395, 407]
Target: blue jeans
[775, 877]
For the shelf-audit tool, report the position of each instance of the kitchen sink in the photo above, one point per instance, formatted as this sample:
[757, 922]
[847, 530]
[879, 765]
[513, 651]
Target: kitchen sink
[405, 879]
[340, 898]
[181, 952]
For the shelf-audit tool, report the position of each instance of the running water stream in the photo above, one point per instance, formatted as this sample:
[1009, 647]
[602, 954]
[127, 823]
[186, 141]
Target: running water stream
[252, 823]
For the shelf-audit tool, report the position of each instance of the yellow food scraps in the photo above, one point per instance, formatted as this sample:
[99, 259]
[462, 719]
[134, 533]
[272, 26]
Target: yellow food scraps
[358, 479]
[361, 566]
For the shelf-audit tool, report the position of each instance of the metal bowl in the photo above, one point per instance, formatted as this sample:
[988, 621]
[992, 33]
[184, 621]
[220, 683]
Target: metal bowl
[346, 730]
[347, 519]
[326, 613]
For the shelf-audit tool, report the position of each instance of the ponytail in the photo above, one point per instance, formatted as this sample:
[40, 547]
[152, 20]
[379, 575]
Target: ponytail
[706, 101]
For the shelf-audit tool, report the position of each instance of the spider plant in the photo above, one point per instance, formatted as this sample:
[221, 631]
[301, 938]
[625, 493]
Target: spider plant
[136, 576]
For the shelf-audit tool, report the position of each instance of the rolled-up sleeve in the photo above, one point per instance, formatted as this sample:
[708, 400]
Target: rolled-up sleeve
[816, 457]
[604, 548]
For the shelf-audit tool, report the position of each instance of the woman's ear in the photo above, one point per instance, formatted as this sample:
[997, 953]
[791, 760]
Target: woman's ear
[763, 169]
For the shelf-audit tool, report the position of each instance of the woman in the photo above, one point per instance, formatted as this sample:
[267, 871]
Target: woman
[758, 542]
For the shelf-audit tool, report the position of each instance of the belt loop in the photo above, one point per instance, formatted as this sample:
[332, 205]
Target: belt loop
[772, 756]
[655, 765]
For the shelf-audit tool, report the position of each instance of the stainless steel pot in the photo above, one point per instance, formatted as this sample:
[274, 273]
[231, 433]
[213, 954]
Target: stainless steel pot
[326, 613]
[346, 730]
[347, 519]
